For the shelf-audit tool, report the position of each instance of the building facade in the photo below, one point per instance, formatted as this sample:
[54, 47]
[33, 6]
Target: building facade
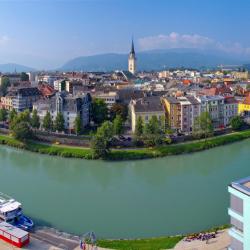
[70, 106]
[244, 107]
[214, 105]
[181, 112]
[239, 213]
[146, 108]
[22, 98]
[230, 109]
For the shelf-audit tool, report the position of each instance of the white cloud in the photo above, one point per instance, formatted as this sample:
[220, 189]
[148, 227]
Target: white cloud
[4, 39]
[176, 40]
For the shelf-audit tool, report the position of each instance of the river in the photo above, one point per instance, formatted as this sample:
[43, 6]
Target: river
[165, 196]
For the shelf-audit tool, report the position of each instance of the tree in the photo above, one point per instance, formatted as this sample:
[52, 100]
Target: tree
[19, 118]
[153, 127]
[24, 77]
[47, 122]
[119, 109]
[59, 122]
[24, 116]
[237, 122]
[118, 125]
[100, 148]
[35, 120]
[152, 132]
[78, 125]
[4, 85]
[139, 127]
[99, 111]
[21, 131]
[12, 118]
[203, 126]
[3, 115]
[100, 143]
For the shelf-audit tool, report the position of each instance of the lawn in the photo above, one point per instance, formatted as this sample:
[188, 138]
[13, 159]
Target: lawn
[141, 244]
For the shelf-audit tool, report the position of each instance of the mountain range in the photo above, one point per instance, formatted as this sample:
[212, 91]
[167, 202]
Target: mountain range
[146, 60]
[13, 67]
[156, 60]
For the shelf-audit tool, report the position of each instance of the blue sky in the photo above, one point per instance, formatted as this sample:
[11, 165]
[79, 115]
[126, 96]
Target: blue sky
[46, 33]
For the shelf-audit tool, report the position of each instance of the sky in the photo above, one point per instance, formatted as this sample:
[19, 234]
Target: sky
[44, 34]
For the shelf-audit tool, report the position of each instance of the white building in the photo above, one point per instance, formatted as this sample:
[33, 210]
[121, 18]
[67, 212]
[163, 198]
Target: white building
[214, 105]
[239, 213]
[70, 106]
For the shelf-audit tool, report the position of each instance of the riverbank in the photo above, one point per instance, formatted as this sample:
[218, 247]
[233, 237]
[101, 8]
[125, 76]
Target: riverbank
[126, 154]
[157, 243]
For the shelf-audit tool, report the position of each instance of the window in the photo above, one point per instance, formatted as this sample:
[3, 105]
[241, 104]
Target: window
[236, 204]
[237, 224]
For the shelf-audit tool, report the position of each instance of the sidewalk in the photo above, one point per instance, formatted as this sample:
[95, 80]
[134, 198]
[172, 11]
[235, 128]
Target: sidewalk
[221, 242]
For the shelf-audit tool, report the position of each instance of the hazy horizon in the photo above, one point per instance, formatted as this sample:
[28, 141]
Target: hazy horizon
[45, 34]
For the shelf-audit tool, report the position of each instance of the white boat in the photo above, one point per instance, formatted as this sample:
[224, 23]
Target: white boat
[11, 212]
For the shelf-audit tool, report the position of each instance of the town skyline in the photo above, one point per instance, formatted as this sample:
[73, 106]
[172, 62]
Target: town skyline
[46, 35]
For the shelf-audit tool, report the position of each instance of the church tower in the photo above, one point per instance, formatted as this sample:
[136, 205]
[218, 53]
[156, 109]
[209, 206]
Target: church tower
[132, 60]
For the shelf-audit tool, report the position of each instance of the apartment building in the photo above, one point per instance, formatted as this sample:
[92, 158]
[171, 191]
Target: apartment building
[69, 105]
[13, 78]
[181, 112]
[214, 105]
[244, 107]
[146, 108]
[239, 213]
[230, 109]
[21, 98]
[110, 97]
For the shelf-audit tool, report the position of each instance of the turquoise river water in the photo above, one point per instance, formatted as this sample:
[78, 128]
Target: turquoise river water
[165, 196]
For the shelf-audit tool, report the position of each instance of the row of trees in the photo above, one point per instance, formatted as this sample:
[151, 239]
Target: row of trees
[151, 133]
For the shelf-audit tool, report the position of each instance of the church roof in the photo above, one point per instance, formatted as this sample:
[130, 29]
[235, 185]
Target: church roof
[132, 48]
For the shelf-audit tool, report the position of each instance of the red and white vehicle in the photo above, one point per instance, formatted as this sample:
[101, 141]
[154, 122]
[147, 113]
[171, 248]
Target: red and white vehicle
[13, 235]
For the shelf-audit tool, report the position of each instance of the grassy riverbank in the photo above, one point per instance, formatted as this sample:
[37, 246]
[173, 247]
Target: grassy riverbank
[127, 154]
[182, 148]
[142, 244]
[150, 243]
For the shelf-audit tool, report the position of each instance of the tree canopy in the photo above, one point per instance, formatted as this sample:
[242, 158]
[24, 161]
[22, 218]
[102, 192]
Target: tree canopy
[237, 123]
[3, 115]
[203, 125]
[100, 143]
[59, 122]
[119, 109]
[99, 111]
[78, 125]
[35, 120]
[47, 122]
[118, 125]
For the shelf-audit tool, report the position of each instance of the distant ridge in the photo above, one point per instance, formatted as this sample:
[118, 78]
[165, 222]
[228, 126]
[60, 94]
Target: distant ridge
[13, 67]
[154, 60]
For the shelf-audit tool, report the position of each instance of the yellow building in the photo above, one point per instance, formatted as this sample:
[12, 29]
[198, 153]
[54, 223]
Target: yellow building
[173, 112]
[6, 102]
[146, 108]
[240, 75]
[244, 107]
